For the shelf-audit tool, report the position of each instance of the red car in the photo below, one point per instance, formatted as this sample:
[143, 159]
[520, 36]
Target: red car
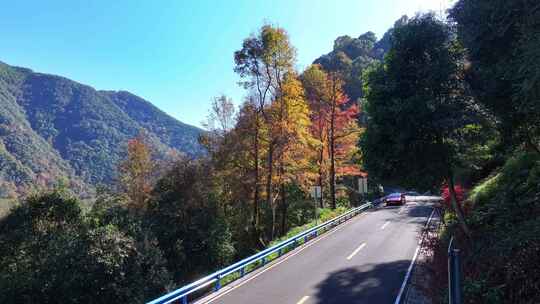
[395, 199]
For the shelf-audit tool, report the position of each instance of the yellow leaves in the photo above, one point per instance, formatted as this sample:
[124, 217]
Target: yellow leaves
[287, 127]
[277, 49]
[136, 171]
[314, 80]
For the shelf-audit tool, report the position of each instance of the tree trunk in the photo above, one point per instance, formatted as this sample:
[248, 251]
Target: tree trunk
[270, 166]
[332, 160]
[321, 133]
[332, 181]
[255, 222]
[321, 200]
[273, 232]
[455, 206]
[283, 210]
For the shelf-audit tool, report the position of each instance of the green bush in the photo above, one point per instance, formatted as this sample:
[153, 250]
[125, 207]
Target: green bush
[50, 252]
[343, 202]
[185, 217]
[301, 208]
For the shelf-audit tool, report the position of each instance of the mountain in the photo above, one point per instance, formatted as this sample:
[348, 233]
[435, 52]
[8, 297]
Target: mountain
[53, 129]
[351, 57]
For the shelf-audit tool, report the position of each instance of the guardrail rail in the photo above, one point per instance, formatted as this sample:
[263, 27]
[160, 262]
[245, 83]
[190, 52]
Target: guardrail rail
[239, 267]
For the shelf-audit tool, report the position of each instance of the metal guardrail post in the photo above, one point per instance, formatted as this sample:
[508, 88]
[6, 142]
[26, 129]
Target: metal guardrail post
[184, 300]
[455, 295]
[218, 283]
[457, 277]
[450, 277]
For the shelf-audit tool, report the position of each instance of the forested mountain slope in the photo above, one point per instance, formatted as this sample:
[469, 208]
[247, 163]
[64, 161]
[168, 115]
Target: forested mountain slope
[53, 128]
[352, 57]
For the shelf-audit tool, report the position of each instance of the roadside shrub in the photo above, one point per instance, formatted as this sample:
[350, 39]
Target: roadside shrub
[50, 252]
[503, 263]
[186, 218]
[324, 214]
[343, 202]
[301, 208]
[460, 197]
[484, 192]
[523, 272]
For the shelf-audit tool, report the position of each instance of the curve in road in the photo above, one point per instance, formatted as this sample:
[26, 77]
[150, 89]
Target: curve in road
[362, 261]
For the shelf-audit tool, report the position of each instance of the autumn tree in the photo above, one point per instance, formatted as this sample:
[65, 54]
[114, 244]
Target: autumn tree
[334, 124]
[221, 117]
[246, 159]
[235, 151]
[314, 80]
[294, 142]
[136, 171]
[263, 63]
[219, 122]
[342, 130]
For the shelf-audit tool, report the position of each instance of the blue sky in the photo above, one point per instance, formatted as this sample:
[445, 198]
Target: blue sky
[177, 54]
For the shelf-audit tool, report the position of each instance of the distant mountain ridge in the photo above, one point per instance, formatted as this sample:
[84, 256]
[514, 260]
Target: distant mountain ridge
[351, 57]
[53, 128]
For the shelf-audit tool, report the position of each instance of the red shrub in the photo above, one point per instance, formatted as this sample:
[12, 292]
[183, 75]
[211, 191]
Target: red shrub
[460, 196]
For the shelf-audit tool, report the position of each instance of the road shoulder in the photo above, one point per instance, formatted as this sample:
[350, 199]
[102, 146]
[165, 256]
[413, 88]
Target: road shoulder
[419, 281]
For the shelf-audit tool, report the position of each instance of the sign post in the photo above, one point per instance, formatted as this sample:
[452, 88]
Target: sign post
[316, 193]
[362, 186]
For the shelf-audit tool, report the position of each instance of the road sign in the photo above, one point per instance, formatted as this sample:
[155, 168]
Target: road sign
[362, 185]
[315, 192]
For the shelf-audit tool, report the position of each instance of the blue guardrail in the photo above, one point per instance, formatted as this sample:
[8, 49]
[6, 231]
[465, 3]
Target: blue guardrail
[182, 293]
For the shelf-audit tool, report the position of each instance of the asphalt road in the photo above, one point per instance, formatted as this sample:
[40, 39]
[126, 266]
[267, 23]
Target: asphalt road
[364, 260]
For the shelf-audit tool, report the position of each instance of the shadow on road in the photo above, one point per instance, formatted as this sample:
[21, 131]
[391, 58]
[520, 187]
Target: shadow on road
[368, 284]
[390, 207]
[418, 211]
[411, 212]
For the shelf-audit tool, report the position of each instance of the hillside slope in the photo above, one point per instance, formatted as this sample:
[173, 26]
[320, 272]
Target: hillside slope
[352, 57]
[52, 128]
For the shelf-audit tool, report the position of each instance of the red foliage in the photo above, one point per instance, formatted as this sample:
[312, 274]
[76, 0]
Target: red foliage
[460, 197]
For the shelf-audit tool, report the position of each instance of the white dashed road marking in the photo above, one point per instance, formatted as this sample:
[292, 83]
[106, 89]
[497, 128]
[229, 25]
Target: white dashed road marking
[356, 251]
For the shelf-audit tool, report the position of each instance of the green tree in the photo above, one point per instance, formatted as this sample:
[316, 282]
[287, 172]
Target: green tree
[51, 253]
[503, 46]
[187, 222]
[416, 104]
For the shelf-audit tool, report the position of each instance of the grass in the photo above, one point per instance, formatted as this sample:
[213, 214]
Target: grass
[325, 214]
[483, 191]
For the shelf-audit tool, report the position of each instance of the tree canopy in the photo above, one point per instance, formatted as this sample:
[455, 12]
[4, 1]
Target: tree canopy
[503, 52]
